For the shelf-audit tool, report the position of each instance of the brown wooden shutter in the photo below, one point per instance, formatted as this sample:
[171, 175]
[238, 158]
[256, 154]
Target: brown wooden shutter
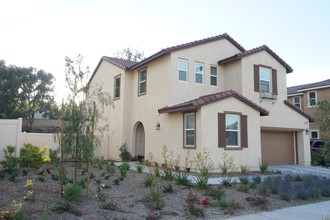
[274, 81]
[244, 131]
[256, 78]
[221, 130]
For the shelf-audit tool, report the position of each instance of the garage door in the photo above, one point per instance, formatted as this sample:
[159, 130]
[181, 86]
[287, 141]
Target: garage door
[277, 147]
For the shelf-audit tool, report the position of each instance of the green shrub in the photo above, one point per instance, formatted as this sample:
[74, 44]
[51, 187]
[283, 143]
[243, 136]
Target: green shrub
[53, 155]
[244, 169]
[122, 170]
[111, 168]
[154, 198]
[253, 185]
[33, 156]
[201, 182]
[256, 179]
[148, 180]
[263, 167]
[285, 197]
[11, 163]
[182, 178]
[139, 168]
[244, 180]
[125, 155]
[167, 187]
[73, 192]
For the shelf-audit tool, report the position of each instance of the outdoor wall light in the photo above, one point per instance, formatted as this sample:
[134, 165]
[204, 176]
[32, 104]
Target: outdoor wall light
[157, 126]
[307, 131]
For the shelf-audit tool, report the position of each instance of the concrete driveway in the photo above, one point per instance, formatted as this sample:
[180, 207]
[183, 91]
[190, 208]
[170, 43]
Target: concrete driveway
[301, 169]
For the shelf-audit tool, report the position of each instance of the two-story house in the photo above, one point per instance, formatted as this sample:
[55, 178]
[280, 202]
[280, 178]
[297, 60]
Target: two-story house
[210, 93]
[306, 97]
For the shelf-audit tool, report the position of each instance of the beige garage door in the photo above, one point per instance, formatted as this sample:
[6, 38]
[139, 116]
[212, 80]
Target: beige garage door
[277, 147]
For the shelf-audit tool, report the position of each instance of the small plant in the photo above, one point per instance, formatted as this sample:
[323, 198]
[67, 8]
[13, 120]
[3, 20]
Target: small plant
[244, 169]
[73, 192]
[157, 171]
[101, 196]
[154, 198]
[181, 178]
[263, 167]
[167, 187]
[243, 188]
[111, 168]
[33, 156]
[252, 185]
[201, 182]
[262, 190]
[25, 172]
[30, 196]
[216, 193]
[153, 216]
[286, 197]
[256, 179]
[193, 206]
[11, 163]
[29, 184]
[122, 171]
[148, 180]
[53, 155]
[42, 178]
[226, 181]
[302, 195]
[256, 200]
[244, 180]
[298, 178]
[139, 168]
[125, 155]
[56, 177]
[17, 212]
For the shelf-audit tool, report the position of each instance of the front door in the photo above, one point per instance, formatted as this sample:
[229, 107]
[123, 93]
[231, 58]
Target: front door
[139, 140]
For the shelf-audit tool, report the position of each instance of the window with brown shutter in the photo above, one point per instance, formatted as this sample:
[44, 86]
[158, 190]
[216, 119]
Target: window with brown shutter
[226, 133]
[256, 78]
[265, 80]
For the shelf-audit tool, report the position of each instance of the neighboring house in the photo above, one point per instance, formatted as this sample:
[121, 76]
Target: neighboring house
[210, 93]
[306, 97]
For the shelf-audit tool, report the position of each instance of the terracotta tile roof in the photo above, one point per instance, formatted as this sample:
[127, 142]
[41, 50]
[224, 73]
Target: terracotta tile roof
[256, 50]
[187, 45]
[207, 99]
[125, 64]
[296, 89]
[299, 111]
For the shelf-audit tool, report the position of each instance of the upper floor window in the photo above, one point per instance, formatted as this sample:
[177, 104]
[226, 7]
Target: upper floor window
[142, 82]
[297, 101]
[116, 91]
[213, 76]
[312, 99]
[264, 74]
[199, 73]
[265, 80]
[189, 130]
[183, 70]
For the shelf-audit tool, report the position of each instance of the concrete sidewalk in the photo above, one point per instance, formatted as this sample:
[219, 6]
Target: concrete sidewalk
[315, 211]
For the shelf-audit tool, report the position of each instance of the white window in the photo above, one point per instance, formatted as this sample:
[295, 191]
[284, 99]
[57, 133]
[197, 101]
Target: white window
[232, 130]
[116, 92]
[142, 82]
[189, 130]
[297, 101]
[199, 73]
[314, 134]
[183, 70]
[312, 100]
[213, 76]
[265, 76]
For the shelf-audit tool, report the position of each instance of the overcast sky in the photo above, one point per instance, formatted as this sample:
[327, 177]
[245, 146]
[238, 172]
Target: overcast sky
[40, 33]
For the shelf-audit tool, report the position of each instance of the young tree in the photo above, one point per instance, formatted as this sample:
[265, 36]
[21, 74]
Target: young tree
[322, 117]
[129, 54]
[81, 115]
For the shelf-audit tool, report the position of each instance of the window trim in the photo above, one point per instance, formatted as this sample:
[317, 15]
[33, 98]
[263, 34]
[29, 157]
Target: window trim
[215, 76]
[195, 73]
[184, 130]
[186, 70]
[273, 82]
[293, 101]
[308, 99]
[139, 83]
[114, 87]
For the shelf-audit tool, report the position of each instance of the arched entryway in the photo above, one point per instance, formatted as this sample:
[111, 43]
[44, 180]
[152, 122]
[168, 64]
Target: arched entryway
[139, 140]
